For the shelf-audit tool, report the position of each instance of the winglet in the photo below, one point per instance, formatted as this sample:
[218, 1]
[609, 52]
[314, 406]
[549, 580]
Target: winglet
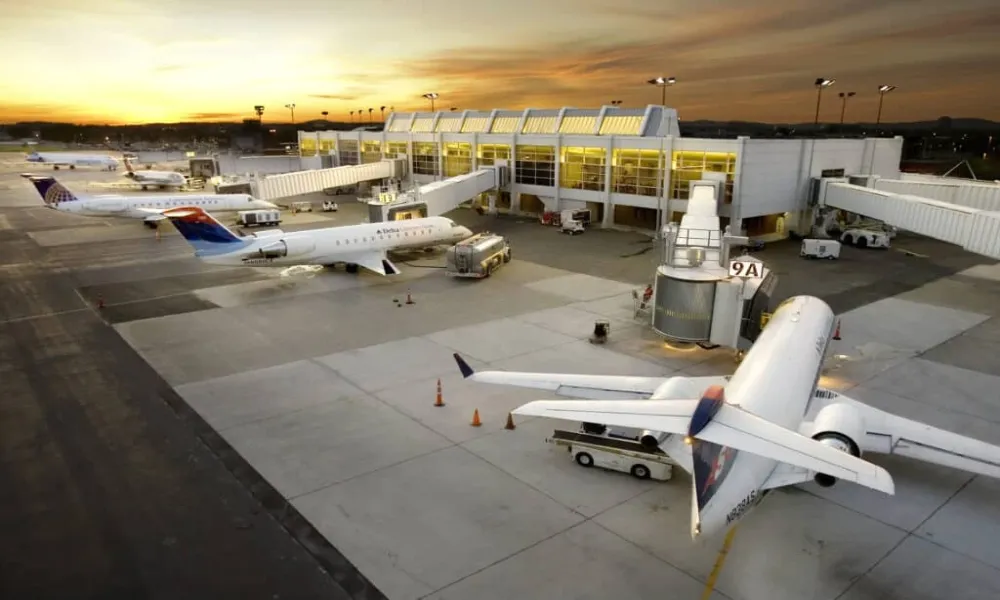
[463, 366]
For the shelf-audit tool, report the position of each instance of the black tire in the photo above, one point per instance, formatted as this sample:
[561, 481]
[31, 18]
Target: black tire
[352, 268]
[640, 472]
[584, 460]
[72, 167]
[862, 242]
[830, 257]
[507, 257]
[848, 239]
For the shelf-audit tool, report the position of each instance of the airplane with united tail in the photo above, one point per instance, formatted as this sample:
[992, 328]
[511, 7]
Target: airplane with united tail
[767, 426]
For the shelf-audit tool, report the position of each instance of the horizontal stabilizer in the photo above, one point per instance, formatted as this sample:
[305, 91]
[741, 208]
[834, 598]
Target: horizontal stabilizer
[730, 427]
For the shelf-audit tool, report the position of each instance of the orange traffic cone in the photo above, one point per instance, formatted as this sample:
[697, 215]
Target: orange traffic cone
[836, 333]
[409, 300]
[475, 419]
[510, 422]
[439, 401]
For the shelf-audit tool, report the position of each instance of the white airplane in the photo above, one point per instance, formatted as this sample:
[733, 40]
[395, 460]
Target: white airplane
[163, 179]
[149, 208]
[766, 426]
[66, 159]
[363, 245]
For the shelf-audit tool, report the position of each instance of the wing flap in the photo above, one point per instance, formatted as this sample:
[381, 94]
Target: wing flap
[375, 262]
[731, 427]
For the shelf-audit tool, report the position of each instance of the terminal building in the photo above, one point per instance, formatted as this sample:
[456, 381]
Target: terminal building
[630, 167]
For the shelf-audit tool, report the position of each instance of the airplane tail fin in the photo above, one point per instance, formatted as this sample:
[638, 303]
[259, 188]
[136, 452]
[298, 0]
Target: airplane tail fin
[206, 234]
[52, 192]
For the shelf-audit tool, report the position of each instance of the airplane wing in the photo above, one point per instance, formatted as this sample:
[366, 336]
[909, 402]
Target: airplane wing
[595, 387]
[890, 434]
[376, 262]
[731, 427]
[155, 214]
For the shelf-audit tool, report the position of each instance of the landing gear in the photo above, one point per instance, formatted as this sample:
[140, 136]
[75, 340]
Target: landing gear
[72, 167]
[151, 224]
[55, 167]
[352, 268]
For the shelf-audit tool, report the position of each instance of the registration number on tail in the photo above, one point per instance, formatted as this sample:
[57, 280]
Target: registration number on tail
[745, 504]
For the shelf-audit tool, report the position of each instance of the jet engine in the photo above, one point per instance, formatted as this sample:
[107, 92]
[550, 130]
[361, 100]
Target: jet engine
[838, 426]
[676, 388]
[285, 248]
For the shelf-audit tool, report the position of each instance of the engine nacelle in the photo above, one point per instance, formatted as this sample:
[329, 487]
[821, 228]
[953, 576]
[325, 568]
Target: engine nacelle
[285, 248]
[677, 388]
[838, 426]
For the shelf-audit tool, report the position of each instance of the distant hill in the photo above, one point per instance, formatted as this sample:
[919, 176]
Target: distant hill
[968, 124]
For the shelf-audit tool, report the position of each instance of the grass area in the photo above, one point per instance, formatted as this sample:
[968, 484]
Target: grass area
[28, 149]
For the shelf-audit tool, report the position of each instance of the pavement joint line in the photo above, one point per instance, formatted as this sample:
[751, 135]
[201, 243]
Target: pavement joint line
[44, 315]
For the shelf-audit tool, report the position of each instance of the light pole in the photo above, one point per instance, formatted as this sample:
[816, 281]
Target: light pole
[260, 112]
[370, 111]
[882, 91]
[352, 116]
[843, 104]
[662, 82]
[821, 84]
[291, 107]
[432, 96]
[616, 103]
[382, 108]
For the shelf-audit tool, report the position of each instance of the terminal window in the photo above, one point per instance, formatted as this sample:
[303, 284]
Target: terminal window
[371, 151]
[394, 149]
[637, 172]
[348, 152]
[327, 146]
[490, 153]
[307, 147]
[691, 165]
[535, 165]
[425, 158]
[457, 158]
[583, 168]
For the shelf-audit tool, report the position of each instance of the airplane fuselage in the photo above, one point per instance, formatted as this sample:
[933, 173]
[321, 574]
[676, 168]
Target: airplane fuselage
[132, 207]
[776, 381]
[59, 159]
[339, 244]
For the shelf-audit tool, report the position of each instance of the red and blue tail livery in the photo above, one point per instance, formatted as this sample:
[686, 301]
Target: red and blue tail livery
[203, 231]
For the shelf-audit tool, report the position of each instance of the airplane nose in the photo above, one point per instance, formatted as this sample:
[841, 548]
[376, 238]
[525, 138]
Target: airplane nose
[465, 231]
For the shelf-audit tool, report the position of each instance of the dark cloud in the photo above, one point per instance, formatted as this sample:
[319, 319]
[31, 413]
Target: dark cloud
[216, 116]
[338, 97]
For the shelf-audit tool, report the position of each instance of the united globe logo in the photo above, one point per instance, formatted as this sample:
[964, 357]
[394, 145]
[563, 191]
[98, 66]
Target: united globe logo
[57, 193]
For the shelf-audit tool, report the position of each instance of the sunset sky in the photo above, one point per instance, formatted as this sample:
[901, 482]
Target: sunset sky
[125, 61]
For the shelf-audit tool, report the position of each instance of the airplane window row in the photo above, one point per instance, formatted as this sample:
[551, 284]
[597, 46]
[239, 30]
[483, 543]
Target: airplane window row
[372, 239]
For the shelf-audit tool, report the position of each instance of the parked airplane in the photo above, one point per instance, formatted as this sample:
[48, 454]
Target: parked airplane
[363, 245]
[66, 159]
[767, 426]
[149, 208]
[163, 179]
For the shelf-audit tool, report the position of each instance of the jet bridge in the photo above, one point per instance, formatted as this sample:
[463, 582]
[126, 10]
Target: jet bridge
[969, 218]
[438, 197]
[283, 185]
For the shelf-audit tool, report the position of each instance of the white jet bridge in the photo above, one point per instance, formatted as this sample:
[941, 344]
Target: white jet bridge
[284, 185]
[439, 197]
[963, 213]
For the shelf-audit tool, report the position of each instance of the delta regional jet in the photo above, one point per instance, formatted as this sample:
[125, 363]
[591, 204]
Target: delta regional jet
[66, 159]
[146, 178]
[365, 245]
[149, 208]
[767, 426]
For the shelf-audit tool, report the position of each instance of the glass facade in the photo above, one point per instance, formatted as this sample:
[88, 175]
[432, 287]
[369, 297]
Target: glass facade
[347, 152]
[307, 147]
[505, 124]
[535, 165]
[690, 165]
[582, 168]
[371, 151]
[490, 153]
[426, 158]
[457, 158]
[394, 149]
[636, 172]
[327, 147]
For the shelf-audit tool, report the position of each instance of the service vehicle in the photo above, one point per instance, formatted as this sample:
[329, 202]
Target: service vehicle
[298, 207]
[866, 238]
[478, 257]
[248, 218]
[330, 206]
[597, 446]
[813, 248]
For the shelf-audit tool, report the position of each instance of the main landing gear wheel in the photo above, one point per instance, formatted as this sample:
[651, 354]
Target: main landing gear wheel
[352, 268]
[584, 460]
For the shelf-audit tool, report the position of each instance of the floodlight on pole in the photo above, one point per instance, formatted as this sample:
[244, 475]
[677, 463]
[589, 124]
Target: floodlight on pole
[821, 84]
[432, 96]
[662, 82]
[291, 107]
[882, 91]
[843, 103]
[616, 103]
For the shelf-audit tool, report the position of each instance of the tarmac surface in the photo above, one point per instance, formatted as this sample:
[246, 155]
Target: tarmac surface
[213, 432]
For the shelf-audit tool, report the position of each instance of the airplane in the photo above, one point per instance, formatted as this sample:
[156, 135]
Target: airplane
[57, 159]
[766, 426]
[149, 208]
[163, 179]
[363, 245]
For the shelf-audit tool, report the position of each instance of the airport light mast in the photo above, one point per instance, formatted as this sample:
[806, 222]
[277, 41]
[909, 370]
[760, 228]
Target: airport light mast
[843, 103]
[662, 83]
[821, 84]
[291, 107]
[432, 96]
[882, 91]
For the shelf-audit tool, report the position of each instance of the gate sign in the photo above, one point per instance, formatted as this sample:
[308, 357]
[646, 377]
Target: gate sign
[746, 268]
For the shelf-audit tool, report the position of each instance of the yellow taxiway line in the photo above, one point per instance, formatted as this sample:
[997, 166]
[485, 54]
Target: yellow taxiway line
[719, 562]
